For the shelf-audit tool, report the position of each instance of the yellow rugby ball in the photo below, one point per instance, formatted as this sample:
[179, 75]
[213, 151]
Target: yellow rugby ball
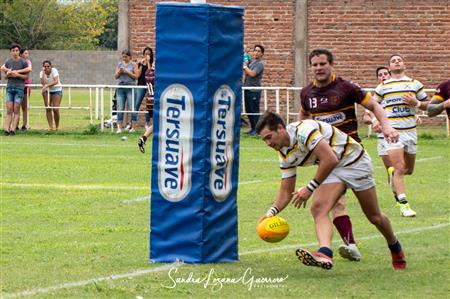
[273, 229]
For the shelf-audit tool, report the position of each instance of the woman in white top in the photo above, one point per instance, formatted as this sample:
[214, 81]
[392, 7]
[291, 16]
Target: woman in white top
[51, 92]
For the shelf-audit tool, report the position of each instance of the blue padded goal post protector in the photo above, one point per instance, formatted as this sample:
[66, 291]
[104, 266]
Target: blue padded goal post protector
[195, 150]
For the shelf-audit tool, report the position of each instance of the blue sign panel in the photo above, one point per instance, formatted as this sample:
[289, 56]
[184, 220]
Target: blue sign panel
[195, 159]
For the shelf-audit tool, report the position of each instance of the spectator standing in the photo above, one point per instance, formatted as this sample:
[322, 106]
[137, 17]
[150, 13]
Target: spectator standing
[253, 75]
[126, 73]
[16, 70]
[25, 54]
[145, 66]
[51, 93]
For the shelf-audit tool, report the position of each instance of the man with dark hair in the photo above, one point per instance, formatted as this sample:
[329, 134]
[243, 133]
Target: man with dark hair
[253, 76]
[332, 99]
[342, 163]
[400, 96]
[16, 70]
[382, 74]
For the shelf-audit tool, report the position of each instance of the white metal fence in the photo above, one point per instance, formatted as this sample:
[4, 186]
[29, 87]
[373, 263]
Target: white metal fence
[95, 104]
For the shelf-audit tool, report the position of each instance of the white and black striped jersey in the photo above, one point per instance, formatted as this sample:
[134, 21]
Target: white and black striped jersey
[304, 137]
[390, 94]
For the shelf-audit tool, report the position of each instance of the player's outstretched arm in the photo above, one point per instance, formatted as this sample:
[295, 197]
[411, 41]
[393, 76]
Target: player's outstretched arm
[389, 133]
[435, 107]
[282, 198]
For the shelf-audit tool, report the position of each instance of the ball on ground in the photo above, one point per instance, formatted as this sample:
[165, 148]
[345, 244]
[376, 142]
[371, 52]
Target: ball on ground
[273, 229]
[124, 138]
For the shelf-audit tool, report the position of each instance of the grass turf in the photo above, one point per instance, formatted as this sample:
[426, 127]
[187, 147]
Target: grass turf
[74, 208]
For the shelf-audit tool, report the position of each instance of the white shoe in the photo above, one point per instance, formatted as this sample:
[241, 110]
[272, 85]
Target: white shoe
[405, 210]
[131, 130]
[119, 131]
[128, 128]
[350, 252]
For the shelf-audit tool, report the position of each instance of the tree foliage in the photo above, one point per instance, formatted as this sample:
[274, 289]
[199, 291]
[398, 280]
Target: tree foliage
[53, 24]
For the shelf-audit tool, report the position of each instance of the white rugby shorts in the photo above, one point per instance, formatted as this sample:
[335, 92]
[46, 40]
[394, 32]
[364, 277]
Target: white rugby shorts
[381, 146]
[358, 176]
[407, 140]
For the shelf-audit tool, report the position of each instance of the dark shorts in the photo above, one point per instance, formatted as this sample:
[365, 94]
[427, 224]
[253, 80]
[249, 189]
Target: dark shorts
[14, 94]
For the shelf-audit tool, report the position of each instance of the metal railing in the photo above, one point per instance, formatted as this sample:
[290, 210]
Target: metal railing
[96, 102]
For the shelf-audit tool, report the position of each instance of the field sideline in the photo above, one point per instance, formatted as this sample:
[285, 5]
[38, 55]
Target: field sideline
[75, 224]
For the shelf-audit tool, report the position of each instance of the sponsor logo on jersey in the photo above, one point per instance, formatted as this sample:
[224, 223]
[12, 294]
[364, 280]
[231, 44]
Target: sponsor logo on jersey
[176, 126]
[331, 119]
[401, 110]
[222, 136]
[393, 100]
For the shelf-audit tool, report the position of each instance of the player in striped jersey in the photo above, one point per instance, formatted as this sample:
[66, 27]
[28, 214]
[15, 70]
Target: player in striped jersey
[440, 100]
[332, 99]
[400, 96]
[342, 163]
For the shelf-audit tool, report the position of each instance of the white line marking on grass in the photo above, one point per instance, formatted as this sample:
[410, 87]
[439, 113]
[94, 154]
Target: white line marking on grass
[137, 199]
[72, 187]
[145, 198]
[418, 160]
[414, 230]
[92, 187]
[428, 159]
[179, 264]
[250, 182]
[119, 143]
[89, 281]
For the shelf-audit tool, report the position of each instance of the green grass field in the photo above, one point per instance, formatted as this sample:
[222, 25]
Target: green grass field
[75, 224]
[75, 112]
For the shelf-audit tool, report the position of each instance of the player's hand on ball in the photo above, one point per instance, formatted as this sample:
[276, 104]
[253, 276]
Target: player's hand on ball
[301, 197]
[264, 216]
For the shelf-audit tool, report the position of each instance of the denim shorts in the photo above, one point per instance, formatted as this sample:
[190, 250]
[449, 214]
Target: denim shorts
[56, 93]
[14, 94]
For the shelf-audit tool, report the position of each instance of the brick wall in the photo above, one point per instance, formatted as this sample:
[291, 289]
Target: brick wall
[74, 67]
[265, 23]
[361, 33]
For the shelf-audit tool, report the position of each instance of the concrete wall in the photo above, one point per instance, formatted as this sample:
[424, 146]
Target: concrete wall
[74, 67]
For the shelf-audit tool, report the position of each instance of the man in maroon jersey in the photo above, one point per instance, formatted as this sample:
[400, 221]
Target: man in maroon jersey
[332, 99]
[440, 100]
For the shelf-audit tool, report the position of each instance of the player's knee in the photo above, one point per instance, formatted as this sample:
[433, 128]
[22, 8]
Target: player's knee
[339, 209]
[400, 168]
[317, 210]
